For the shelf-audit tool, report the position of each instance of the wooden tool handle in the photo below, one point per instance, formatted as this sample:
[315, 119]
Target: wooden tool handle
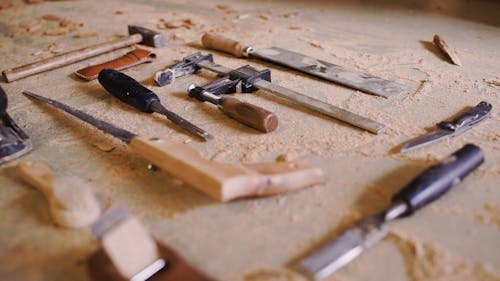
[71, 201]
[249, 114]
[69, 58]
[223, 181]
[221, 43]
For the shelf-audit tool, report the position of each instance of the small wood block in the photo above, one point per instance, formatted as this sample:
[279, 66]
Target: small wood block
[101, 268]
[71, 201]
[448, 52]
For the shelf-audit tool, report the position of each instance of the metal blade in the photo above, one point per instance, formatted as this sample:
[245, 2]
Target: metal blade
[344, 249]
[322, 107]
[426, 139]
[360, 81]
[106, 127]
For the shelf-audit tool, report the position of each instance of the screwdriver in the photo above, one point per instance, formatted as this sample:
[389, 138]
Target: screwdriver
[425, 188]
[246, 113]
[133, 93]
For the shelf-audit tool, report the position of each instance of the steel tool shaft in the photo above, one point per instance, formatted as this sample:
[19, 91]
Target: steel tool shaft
[425, 188]
[133, 93]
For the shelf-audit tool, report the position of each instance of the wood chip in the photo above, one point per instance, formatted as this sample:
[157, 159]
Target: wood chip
[85, 35]
[441, 44]
[225, 8]
[295, 27]
[52, 17]
[31, 27]
[5, 5]
[56, 31]
[264, 17]
[119, 12]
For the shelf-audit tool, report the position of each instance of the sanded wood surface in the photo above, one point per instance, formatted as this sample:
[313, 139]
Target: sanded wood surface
[222, 181]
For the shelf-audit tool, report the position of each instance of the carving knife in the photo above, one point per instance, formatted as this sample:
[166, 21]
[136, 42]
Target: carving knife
[425, 188]
[335, 73]
[451, 129]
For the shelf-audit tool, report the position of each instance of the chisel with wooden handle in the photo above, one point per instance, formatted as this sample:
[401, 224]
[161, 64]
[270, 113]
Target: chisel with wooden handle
[424, 189]
[335, 73]
[221, 181]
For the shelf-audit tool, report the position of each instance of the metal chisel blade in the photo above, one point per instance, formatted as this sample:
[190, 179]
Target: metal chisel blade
[426, 139]
[335, 73]
[344, 249]
[106, 127]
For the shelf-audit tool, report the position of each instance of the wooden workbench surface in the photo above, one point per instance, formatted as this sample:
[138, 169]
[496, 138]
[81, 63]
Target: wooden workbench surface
[456, 238]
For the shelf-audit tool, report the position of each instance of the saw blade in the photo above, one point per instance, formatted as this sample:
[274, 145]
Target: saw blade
[335, 73]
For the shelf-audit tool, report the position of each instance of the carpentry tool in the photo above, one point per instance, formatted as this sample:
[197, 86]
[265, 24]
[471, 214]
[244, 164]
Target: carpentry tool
[252, 80]
[425, 188]
[138, 35]
[335, 73]
[454, 128]
[221, 181]
[244, 112]
[14, 142]
[71, 200]
[129, 253]
[133, 93]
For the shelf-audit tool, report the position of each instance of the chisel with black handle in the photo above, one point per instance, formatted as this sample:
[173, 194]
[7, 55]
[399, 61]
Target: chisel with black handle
[430, 185]
[131, 92]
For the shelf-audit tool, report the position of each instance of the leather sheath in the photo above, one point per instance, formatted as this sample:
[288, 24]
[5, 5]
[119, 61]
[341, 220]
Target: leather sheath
[101, 268]
[132, 58]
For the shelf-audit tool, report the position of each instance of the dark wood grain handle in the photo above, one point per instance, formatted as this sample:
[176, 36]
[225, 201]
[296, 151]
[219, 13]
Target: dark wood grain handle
[249, 114]
[223, 44]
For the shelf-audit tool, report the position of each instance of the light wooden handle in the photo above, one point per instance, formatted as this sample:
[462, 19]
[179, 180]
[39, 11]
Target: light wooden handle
[69, 58]
[249, 114]
[221, 43]
[71, 201]
[223, 181]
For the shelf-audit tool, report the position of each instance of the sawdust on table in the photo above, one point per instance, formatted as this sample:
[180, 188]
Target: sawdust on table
[427, 261]
[377, 44]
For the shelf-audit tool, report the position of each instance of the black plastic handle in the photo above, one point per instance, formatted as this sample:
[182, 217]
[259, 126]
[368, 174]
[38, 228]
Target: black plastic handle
[438, 179]
[3, 103]
[469, 118]
[127, 89]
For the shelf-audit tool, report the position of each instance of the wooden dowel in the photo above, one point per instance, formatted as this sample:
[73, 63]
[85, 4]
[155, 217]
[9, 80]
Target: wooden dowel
[68, 58]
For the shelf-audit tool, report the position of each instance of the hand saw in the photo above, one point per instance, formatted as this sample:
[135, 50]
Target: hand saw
[335, 73]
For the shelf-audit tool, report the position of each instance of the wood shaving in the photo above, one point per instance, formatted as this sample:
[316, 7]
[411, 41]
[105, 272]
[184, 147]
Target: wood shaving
[226, 8]
[294, 27]
[443, 46]
[32, 27]
[52, 17]
[85, 35]
[5, 5]
[290, 15]
[264, 17]
[316, 45]
[104, 146]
